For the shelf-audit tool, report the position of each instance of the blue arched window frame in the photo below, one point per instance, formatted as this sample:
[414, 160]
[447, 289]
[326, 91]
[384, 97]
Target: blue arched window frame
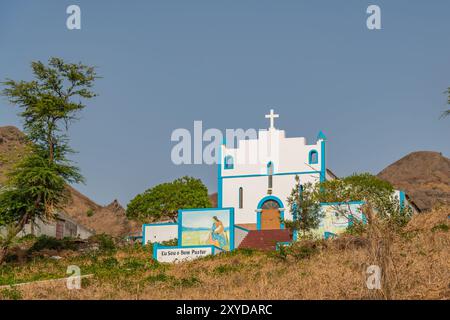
[313, 157]
[228, 163]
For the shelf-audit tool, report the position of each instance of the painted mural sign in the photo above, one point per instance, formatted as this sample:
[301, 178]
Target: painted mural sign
[202, 227]
[336, 219]
[180, 254]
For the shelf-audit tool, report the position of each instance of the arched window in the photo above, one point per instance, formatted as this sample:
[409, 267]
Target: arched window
[229, 162]
[241, 198]
[270, 175]
[313, 157]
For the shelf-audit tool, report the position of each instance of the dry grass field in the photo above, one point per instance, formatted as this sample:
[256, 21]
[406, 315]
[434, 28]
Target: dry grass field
[331, 269]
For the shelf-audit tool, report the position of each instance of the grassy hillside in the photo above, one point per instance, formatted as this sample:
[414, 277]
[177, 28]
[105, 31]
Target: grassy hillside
[331, 269]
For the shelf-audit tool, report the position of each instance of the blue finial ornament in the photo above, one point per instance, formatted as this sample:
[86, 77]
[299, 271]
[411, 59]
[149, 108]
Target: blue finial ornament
[321, 136]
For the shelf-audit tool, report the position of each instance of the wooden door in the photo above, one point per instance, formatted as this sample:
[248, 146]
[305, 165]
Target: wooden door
[270, 219]
[59, 229]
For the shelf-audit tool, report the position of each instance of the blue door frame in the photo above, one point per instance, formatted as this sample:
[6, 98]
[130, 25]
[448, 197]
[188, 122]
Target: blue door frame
[260, 204]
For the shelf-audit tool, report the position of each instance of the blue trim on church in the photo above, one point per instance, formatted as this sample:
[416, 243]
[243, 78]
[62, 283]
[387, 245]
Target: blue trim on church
[323, 167]
[310, 157]
[402, 199]
[228, 162]
[219, 177]
[275, 174]
[260, 204]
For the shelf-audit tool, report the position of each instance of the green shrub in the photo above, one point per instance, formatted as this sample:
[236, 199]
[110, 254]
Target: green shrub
[440, 227]
[357, 228]
[134, 264]
[240, 251]
[11, 294]
[85, 282]
[186, 282]
[46, 242]
[26, 238]
[281, 253]
[110, 262]
[298, 250]
[304, 252]
[160, 277]
[104, 241]
[226, 268]
[90, 212]
[170, 243]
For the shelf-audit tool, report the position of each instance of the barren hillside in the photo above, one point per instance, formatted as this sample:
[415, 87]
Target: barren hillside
[424, 175]
[12, 147]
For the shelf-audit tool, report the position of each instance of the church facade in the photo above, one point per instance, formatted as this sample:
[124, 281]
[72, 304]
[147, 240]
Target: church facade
[257, 176]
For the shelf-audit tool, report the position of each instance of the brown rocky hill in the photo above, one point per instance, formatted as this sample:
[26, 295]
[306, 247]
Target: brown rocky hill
[12, 147]
[424, 175]
[110, 219]
[213, 198]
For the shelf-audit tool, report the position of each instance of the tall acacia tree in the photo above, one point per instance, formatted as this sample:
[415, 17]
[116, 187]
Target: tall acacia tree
[36, 187]
[447, 112]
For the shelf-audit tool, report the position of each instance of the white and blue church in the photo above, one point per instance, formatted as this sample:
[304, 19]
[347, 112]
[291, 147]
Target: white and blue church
[255, 178]
[257, 188]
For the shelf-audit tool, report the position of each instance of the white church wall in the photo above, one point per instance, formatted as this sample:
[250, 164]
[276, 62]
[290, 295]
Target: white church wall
[159, 232]
[292, 156]
[255, 189]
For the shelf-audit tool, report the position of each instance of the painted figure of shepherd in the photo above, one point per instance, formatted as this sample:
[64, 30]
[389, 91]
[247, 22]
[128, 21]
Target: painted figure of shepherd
[218, 237]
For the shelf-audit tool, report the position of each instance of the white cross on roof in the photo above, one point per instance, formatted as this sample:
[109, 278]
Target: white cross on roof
[272, 117]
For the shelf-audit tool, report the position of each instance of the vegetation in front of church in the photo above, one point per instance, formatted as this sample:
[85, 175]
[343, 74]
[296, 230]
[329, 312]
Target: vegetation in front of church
[309, 269]
[376, 194]
[305, 208]
[383, 216]
[36, 186]
[164, 200]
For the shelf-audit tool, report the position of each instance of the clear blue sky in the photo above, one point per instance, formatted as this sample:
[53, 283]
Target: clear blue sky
[376, 94]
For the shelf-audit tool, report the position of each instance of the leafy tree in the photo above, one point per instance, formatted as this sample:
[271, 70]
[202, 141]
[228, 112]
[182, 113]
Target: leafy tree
[304, 207]
[164, 200]
[36, 187]
[447, 112]
[368, 188]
